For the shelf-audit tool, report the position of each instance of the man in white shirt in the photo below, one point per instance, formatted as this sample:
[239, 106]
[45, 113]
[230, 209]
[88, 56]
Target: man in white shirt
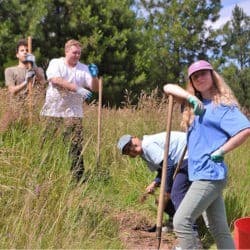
[70, 83]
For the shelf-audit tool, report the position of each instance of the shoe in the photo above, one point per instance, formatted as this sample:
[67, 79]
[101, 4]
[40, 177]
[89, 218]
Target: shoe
[151, 229]
[166, 228]
[176, 248]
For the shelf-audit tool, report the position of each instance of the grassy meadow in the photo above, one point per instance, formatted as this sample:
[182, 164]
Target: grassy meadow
[41, 207]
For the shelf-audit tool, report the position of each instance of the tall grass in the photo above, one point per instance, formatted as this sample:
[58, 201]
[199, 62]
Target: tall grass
[42, 207]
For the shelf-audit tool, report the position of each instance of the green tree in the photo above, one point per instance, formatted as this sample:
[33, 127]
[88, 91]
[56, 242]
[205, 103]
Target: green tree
[235, 37]
[235, 57]
[239, 81]
[178, 35]
[107, 30]
[18, 19]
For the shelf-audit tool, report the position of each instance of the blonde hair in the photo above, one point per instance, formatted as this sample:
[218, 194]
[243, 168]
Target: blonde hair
[222, 94]
[71, 43]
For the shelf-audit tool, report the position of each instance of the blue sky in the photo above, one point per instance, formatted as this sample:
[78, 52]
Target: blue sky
[226, 11]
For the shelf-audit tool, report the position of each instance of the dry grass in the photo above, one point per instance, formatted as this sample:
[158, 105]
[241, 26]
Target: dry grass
[42, 208]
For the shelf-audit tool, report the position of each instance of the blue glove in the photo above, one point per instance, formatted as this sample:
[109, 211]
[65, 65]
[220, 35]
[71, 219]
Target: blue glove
[93, 69]
[196, 104]
[217, 156]
[85, 94]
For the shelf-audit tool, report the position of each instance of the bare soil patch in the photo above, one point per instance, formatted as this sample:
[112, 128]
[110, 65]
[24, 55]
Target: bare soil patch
[133, 236]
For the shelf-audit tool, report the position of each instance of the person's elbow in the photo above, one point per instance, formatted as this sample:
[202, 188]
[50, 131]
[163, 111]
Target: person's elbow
[247, 132]
[168, 88]
[12, 90]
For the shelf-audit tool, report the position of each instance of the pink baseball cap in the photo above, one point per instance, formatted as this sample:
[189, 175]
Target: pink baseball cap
[199, 65]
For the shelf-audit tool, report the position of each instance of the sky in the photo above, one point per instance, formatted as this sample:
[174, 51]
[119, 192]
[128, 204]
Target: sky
[226, 11]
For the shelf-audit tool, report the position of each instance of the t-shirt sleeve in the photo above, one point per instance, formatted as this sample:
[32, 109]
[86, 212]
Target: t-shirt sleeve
[53, 69]
[9, 78]
[234, 121]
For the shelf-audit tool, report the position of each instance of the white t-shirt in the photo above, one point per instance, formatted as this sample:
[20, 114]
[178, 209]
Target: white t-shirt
[60, 102]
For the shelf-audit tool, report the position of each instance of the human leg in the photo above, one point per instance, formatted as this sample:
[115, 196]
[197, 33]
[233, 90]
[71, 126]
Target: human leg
[73, 134]
[198, 198]
[180, 186]
[217, 224]
[51, 128]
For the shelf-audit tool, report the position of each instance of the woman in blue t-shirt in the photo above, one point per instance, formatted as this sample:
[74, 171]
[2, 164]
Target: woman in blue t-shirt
[215, 126]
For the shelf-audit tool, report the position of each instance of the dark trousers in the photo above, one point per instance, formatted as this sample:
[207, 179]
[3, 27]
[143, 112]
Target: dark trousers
[179, 187]
[71, 131]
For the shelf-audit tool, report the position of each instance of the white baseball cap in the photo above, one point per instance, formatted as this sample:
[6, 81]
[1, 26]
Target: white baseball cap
[123, 141]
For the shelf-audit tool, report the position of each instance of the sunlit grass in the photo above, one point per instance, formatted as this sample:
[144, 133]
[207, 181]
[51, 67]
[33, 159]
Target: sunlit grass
[42, 207]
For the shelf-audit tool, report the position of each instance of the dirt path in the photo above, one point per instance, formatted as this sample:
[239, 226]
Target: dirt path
[132, 235]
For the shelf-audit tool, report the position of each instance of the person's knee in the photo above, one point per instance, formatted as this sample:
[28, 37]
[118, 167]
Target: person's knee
[182, 222]
[178, 222]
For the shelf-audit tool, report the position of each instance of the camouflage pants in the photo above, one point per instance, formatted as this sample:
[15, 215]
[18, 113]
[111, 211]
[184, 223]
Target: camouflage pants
[71, 131]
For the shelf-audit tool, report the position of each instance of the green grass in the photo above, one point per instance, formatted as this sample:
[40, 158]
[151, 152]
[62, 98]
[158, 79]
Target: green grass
[41, 207]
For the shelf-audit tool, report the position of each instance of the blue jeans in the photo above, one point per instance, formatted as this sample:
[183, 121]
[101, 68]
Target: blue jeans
[203, 196]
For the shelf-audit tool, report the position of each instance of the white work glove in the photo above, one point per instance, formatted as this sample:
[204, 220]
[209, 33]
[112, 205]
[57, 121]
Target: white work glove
[30, 58]
[85, 94]
[29, 74]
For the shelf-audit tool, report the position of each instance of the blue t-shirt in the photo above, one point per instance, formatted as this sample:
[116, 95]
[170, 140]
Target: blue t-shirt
[153, 147]
[208, 133]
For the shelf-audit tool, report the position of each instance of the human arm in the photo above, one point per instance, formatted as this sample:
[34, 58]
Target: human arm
[59, 81]
[155, 183]
[14, 89]
[93, 69]
[180, 93]
[175, 90]
[63, 83]
[40, 77]
[232, 143]
[10, 82]
[151, 187]
[95, 84]
[30, 62]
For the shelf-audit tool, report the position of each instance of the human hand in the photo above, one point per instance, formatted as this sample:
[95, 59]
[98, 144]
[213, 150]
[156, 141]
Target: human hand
[85, 94]
[196, 104]
[29, 74]
[30, 58]
[93, 69]
[217, 155]
[150, 189]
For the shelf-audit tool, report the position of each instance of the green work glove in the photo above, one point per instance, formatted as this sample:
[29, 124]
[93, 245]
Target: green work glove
[217, 156]
[196, 104]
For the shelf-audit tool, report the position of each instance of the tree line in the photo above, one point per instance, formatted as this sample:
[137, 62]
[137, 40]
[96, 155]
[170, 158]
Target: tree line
[137, 44]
